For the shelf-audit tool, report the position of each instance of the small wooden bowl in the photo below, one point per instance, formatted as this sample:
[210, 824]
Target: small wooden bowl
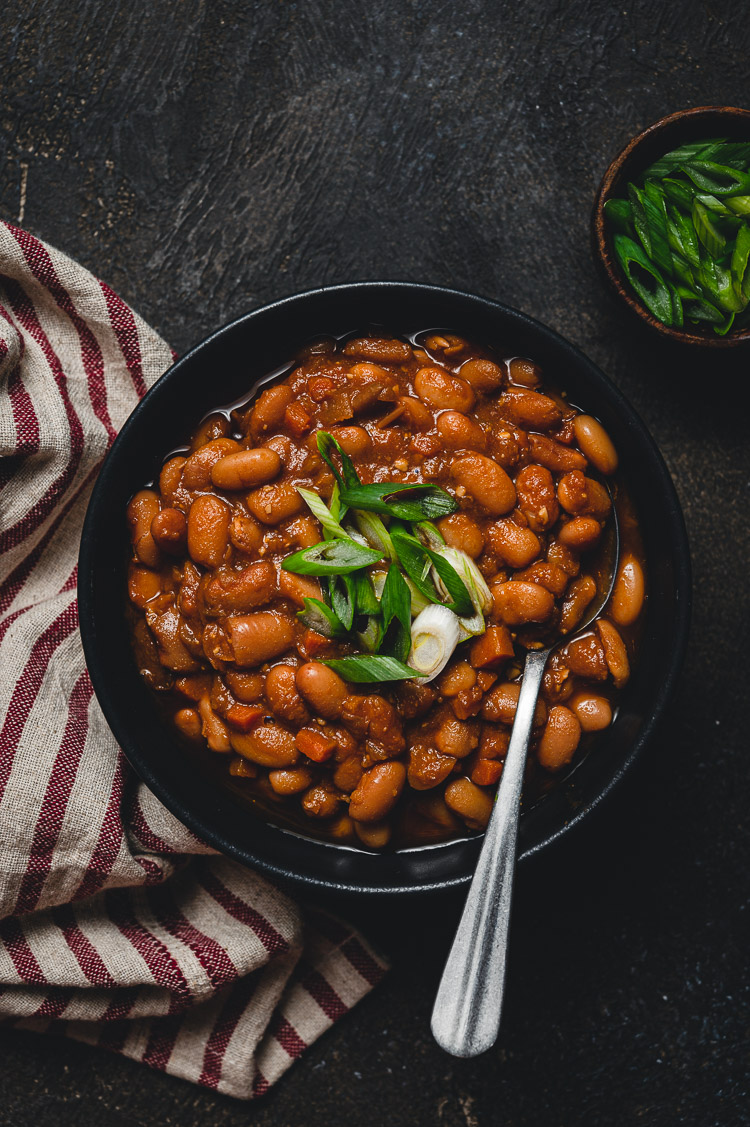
[638, 154]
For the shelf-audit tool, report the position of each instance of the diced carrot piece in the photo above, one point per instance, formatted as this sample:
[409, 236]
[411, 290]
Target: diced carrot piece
[492, 647]
[296, 419]
[315, 745]
[487, 772]
[314, 643]
[244, 717]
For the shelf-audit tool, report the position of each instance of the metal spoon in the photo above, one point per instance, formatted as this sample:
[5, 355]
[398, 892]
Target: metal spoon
[466, 1015]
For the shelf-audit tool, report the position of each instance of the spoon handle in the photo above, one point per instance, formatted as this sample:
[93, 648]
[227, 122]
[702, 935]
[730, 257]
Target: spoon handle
[466, 1015]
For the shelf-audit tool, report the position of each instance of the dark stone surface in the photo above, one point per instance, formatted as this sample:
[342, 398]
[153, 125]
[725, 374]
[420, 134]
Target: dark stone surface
[204, 157]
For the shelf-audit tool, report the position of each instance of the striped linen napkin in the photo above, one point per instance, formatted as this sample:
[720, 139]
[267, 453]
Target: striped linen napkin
[117, 926]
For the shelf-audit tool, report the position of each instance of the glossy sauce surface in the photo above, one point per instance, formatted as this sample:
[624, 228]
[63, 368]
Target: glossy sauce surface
[214, 617]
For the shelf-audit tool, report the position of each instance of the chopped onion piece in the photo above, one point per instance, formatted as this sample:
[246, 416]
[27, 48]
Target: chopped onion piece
[434, 637]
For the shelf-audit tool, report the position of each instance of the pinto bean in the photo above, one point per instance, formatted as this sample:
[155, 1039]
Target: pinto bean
[547, 575]
[486, 481]
[460, 531]
[170, 477]
[142, 509]
[516, 546]
[290, 780]
[269, 409]
[378, 791]
[530, 409]
[247, 687]
[536, 497]
[580, 593]
[593, 712]
[256, 638]
[554, 455]
[585, 656]
[415, 414]
[321, 801]
[303, 532]
[268, 745]
[348, 773]
[169, 530]
[374, 836]
[615, 652]
[428, 767]
[563, 558]
[560, 738]
[384, 351]
[246, 468]
[354, 441]
[516, 603]
[525, 373]
[629, 591]
[470, 802]
[322, 688]
[212, 427]
[500, 705]
[215, 732]
[235, 592]
[483, 375]
[208, 530]
[273, 503]
[458, 676]
[196, 473]
[189, 723]
[580, 533]
[246, 535]
[456, 737]
[143, 585]
[283, 696]
[459, 432]
[583, 496]
[595, 443]
[298, 587]
[443, 391]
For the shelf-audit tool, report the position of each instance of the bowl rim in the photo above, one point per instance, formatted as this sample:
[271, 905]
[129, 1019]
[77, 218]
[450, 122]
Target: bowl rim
[215, 836]
[601, 237]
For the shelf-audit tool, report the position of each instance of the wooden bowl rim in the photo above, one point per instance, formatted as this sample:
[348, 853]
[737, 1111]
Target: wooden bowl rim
[601, 238]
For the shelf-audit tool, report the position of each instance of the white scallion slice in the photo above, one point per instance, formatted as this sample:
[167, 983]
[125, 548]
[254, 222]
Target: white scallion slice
[467, 570]
[434, 636]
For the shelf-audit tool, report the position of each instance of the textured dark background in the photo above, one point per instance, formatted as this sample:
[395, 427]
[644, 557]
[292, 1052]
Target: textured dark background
[208, 155]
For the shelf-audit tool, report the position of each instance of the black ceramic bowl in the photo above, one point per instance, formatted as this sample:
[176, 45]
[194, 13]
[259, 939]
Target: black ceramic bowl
[223, 368]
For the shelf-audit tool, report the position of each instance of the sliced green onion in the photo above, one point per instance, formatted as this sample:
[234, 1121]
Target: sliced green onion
[370, 637]
[434, 636]
[718, 179]
[430, 500]
[330, 557]
[364, 668]
[740, 256]
[418, 560]
[430, 536]
[342, 598]
[645, 278]
[395, 607]
[319, 509]
[375, 532]
[321, 618]
[364, 595]
[706, 230]
[740, 205]
[620, 215]
[694, 150]
[469, 573]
